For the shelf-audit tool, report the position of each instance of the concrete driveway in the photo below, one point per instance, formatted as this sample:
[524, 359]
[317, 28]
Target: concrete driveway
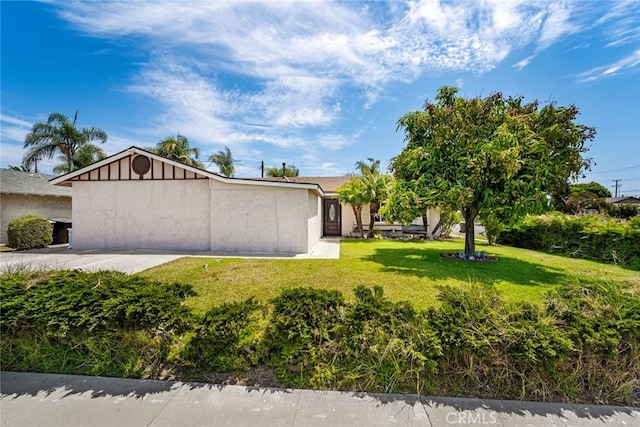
[63, 258]
[134, 261]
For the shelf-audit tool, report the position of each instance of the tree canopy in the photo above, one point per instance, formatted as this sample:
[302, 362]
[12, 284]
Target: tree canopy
[353, 194]
[224, 160]
[592, 187]
[85, 155]
[495, 154]
[275, 172]
[59, 135]
[177, 148]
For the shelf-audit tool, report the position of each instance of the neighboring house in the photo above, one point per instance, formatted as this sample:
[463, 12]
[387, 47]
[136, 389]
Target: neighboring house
[629, 200]
[24, 193]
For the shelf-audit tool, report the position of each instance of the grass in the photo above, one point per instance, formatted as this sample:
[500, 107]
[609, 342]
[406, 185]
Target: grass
[407, 270]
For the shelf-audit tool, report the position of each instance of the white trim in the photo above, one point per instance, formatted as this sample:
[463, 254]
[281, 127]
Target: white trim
[66, 179]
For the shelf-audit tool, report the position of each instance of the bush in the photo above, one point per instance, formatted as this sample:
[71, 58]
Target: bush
[29, 232]
[587, 236]
[71, 302]
[623, 211]
[218, 341]
[300, 328]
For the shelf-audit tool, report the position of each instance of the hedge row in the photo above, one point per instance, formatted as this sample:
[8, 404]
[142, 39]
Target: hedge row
[583, 344]
[594, 237]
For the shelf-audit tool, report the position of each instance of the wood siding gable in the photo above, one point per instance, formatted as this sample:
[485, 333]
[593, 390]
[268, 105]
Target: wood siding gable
[121, 170]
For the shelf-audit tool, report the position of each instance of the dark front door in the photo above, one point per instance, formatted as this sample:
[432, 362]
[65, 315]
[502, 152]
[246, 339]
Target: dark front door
[331, 217]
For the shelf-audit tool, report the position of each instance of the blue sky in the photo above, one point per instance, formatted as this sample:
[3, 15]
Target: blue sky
[317, 84]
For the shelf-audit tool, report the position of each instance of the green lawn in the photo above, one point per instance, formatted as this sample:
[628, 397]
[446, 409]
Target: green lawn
[408, 270]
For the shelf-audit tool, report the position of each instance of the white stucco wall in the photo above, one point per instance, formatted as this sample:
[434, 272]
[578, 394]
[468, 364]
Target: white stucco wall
[141, 214]
[13, 206]
[259, 219]
[314, 221]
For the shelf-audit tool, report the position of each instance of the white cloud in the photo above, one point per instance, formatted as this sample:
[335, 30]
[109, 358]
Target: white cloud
[282, 73]
[15, 121]
[523, 63]
[626, 64]
[557, 23]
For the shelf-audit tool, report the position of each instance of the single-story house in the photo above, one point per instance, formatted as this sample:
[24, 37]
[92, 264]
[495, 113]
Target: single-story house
[624, 200]
[136, 199]
[329, 185]
[24, 193]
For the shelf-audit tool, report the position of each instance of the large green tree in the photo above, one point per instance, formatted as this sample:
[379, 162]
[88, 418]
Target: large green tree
[495, 154]
[59, 135]
[224, 160]
[178, 148]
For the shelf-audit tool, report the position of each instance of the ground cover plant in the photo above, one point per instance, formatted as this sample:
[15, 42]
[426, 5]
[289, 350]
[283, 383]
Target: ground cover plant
[575, 339]
[104, 323]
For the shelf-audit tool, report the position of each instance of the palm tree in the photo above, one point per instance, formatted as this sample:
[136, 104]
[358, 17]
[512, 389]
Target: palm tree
[353, 194]
[22, 168]
[58, 134]
[86, 155]
[375, 185]
[224, 160]
[177, 148]
[373, 167]
[275, 172]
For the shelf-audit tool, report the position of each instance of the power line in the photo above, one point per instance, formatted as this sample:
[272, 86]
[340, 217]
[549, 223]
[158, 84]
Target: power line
[613, 170]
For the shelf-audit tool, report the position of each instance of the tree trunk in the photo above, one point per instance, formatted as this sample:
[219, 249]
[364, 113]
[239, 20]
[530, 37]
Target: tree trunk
[357, 212]
[469, 215]
[373, 210]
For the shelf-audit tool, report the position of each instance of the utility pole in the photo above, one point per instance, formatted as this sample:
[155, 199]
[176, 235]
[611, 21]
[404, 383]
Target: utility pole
[262, 169]
[616, 185]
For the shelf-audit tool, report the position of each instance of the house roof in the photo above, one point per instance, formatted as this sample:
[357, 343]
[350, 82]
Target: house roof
[327, 183]
[624, 199]
[66, 180]
[17, 182]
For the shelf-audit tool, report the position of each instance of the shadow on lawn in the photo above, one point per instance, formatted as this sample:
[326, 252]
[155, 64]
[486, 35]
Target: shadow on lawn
[429, 262]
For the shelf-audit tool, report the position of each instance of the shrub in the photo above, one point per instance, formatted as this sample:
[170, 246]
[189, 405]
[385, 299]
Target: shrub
[72, 302]
[587, 236]
[384, 346]
[624, 211]
[300, 328]
[218, 341]
[29, 232]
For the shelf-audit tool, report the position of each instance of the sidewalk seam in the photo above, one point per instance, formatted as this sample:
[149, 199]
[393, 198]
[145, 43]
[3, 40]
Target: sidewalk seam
[295, 414]
[165, 405]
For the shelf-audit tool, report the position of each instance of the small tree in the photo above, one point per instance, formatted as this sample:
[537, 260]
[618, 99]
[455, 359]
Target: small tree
[376, 187]
[494, 154]
[353, 194]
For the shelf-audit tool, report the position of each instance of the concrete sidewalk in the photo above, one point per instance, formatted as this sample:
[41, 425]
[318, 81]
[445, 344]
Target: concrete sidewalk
[64, 400]
[134, 261]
